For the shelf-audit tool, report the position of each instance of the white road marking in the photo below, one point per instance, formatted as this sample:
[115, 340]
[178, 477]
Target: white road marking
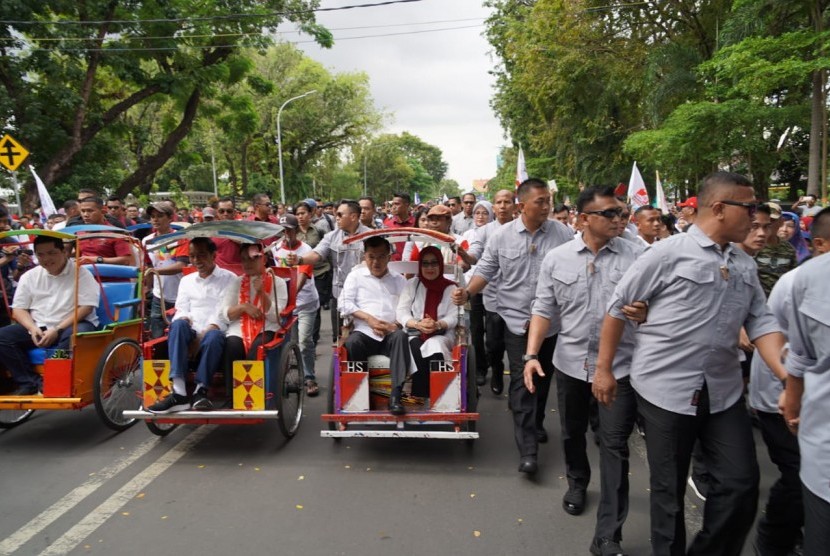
[73, 498]
[102, 513]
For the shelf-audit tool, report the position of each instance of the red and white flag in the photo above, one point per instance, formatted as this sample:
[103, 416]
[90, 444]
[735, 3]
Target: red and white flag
[521, 169]
[637, 194]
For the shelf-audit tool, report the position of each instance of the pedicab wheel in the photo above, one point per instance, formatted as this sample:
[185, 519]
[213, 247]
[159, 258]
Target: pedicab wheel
[291, 391]
[161, 429]
[472, 390]
[118, 383]
[10, 418]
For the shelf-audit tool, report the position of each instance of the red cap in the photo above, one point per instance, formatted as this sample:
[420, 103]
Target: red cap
[690, 202]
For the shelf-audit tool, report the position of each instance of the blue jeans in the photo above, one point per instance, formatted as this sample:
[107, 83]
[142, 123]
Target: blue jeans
[15, 342]
[209, 355]
[156, 318]
[305, 332]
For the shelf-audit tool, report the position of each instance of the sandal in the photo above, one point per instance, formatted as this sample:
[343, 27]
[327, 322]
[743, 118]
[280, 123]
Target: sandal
[311, 388]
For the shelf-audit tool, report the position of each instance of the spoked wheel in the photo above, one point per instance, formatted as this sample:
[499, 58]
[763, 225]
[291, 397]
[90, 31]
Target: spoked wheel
[161, 429]
[10, 418]
[291, 392]
[118, 383]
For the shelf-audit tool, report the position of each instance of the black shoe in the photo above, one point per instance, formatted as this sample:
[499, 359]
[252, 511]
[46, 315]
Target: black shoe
[395, 405]
[528, 465]
[481, 380]
[171, 404]
[541, 435]
[201, 401]
[29, 390]
[574, 501]
[497, 382]
[325, 306]
[606, 547]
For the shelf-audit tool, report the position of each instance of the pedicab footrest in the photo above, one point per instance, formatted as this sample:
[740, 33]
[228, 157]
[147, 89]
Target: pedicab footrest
[193, 415]
[441, 435]
[39, 402]
[386, 417]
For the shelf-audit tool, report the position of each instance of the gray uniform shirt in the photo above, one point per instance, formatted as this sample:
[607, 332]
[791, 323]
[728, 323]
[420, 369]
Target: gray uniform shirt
[343, 258]
[461, 223]
[490, 293]
[698, 298]
[518, 254]
[574, 289]
[809, 356]
[764, 387]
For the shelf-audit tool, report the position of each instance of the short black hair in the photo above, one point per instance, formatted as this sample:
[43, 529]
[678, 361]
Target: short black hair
[403, 196]
[87, 192]
[530, 183]
[352, 204]
[4, 213]
[302, 204]
[820, 227]
[97, 200]
[643, 208]
[206, 242]
[225, 200]
[258, 197]
[377, 241]
[367, 198]
[763, 207]
[588, 195]
[561, 207]
[115, 198]
[455, 198]
[71, 203]
[716, 181]
[469, 193]
[48, 240]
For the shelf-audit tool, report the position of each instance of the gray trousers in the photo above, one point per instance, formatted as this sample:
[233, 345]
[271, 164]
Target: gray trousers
[395, 346]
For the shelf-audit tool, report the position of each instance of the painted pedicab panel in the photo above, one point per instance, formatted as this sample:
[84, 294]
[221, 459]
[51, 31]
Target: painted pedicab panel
[269, 388]
[101, 367]
[359, 391]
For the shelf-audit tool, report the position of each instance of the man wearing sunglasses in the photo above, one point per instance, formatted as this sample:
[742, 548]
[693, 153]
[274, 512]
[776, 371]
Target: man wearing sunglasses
[575, 284]
[701, 289]
[262, 209]
[463, 221]
[227, 250]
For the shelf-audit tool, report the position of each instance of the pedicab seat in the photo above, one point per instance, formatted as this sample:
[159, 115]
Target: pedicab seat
[379, 362]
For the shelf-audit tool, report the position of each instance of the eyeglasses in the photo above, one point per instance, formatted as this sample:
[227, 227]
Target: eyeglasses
[225, 211]
[610, 214]
[430, 263]
[751, 208]
[468, 202]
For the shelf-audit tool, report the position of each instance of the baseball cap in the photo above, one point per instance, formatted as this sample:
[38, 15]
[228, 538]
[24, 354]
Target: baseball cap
[289, 221]
[166, 208]
[311, 203]
[208, 212]
[440, 210]
[774, 211]
[690, 202]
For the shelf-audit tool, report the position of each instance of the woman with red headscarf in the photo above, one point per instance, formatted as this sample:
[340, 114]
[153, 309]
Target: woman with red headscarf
[425, 308]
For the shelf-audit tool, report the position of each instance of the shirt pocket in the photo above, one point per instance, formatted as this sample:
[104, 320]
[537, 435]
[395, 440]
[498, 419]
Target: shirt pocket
[565, 285]
[816, 308]
[509, 257]
[610, 284]
[694, 286]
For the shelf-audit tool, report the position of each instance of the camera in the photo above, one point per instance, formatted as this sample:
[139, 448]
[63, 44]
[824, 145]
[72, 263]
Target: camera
[23, 251]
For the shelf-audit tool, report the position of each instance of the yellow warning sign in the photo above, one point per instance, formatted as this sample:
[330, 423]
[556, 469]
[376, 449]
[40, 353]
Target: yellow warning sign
[12, 153]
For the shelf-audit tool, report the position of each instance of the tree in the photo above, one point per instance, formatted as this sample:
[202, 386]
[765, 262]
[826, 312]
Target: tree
[72, 71]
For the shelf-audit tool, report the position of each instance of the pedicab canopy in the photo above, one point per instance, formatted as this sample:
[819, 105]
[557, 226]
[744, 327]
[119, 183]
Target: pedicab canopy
[242, 231]
[393, 235]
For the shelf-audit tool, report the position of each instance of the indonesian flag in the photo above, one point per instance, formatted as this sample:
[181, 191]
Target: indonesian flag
[46, 203]
[661, 196]
[637, 194]
[521, 169]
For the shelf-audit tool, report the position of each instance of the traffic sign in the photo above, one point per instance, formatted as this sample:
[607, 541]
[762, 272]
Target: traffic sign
[12, 153]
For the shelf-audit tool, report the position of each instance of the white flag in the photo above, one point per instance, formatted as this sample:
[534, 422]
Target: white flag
[637, 194]
[553, 187]
[661, 196]
[521, 169]
[46, 203]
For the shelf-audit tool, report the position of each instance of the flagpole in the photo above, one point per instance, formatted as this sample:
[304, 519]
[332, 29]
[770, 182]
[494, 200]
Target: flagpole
[16, 188]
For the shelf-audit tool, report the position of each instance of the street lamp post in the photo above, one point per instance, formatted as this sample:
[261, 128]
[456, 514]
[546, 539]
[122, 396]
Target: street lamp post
[279, 140]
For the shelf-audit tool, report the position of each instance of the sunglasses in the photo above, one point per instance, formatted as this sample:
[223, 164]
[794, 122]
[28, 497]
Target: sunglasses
[610, 214]
[430, 263]
[751, 208]
[225, 211]
[113, 207]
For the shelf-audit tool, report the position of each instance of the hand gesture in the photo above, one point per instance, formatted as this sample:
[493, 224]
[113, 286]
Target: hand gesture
[636, 312]
[459, 296]
[532, 367]
[604, 388]
[46, 337]
[291, 259]
[252, 310]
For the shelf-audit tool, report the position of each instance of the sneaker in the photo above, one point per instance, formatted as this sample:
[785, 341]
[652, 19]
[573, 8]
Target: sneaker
[171, 404]
[695, 488]
[201, 401]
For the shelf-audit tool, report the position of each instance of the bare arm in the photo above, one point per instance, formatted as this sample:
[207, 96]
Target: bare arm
[770, 347]
[535, 336]
[605, 385]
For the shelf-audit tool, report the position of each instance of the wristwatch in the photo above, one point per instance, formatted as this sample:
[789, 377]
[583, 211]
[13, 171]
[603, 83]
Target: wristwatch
[529, 357]
[99, 260]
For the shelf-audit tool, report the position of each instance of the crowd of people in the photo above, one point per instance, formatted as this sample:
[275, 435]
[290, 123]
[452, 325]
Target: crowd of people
[677, 323]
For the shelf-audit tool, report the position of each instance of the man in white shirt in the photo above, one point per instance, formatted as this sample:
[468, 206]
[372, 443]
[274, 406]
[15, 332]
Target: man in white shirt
[197, 318]
[44, 308]
[370, 297]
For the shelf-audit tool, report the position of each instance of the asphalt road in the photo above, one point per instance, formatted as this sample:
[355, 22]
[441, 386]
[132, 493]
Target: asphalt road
[71, 486]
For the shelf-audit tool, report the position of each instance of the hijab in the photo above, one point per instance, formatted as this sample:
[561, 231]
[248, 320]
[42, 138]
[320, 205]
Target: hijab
[802, 250]
[434, 288]
[488, 206]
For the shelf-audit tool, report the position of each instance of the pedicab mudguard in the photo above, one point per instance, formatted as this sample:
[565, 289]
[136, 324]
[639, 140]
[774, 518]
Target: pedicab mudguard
[39, 403]
[380, 418]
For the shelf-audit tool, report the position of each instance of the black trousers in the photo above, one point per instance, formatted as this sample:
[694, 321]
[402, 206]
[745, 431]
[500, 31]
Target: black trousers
[780, 525]
[494, 341]
[528, 409]
[235, 349]
[335, 319]
[420, 380]
[395, 346]
[477, 333]
[816, 520]
[729, 455]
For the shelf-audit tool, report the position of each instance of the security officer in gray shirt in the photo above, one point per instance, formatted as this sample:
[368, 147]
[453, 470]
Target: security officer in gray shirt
[575, 285]
[807, 394]
[517, 249]
[685, 371]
